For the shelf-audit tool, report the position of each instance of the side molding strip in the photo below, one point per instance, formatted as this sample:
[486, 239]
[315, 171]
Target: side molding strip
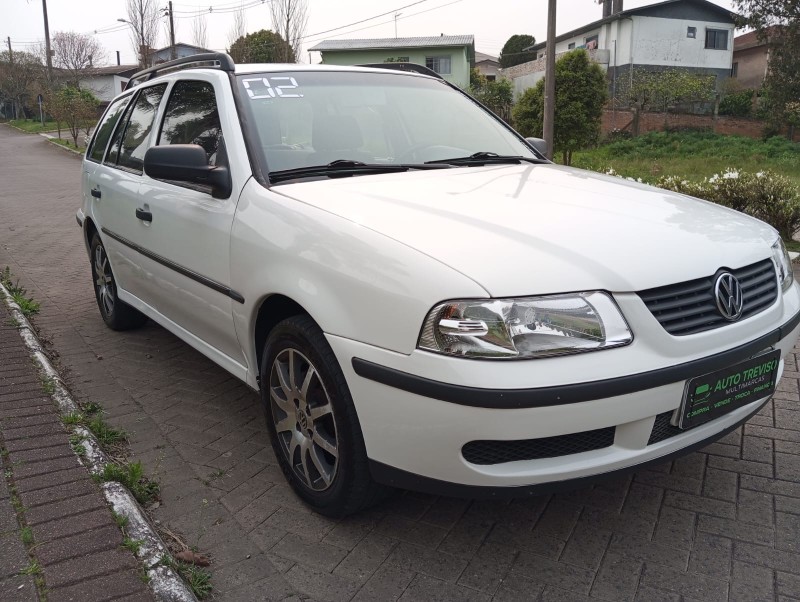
[212, 284]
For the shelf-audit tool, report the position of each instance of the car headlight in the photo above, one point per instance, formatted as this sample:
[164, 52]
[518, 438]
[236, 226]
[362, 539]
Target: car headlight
[523, 328]
[784, 264]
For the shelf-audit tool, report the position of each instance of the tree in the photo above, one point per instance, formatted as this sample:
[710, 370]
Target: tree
[289, 20]
[778, 25]
[261, 47]
[581, 92]
[239, 28]
[74, 52]
[143, 19]
[497, 95]
[200, 31]
[512, 52]
[21, 75]
[76, 107]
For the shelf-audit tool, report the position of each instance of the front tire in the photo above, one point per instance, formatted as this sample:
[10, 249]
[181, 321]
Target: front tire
[117, 314]
[312, 421]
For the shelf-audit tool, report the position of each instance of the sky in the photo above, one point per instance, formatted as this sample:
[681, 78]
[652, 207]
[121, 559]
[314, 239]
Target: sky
[492, 22]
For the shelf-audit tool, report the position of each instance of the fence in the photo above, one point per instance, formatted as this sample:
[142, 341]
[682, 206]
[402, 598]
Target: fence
[622, 119]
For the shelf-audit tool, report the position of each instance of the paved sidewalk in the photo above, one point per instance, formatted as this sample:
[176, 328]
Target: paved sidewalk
[72, 534]
[719, 524]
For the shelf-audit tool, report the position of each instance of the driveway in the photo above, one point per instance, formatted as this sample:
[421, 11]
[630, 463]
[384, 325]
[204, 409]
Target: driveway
[721, 524]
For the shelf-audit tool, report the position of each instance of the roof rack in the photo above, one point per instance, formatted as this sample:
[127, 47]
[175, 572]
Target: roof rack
[219, 60]
[412, 67]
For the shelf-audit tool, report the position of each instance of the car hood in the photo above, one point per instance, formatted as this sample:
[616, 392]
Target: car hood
[536, 229]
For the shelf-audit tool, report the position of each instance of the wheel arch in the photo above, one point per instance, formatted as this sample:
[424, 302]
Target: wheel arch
[89, 230]
[273, 309]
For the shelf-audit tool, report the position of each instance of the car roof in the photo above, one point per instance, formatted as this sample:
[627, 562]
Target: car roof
[247, 68]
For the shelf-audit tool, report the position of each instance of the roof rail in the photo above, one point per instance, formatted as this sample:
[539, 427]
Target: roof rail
[412, 67]
[219, 60]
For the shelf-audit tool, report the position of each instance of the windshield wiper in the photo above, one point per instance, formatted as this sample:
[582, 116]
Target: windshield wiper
[342, 168]
[486, 158]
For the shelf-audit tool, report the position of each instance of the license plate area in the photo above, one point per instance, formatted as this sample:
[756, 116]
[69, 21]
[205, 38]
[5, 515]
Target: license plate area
[714, 394]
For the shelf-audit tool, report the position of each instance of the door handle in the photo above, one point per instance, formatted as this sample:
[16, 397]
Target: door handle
[96, 193]
[143, 215]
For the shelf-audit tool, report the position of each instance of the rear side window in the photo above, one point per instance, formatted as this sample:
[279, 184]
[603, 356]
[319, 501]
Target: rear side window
[105, 128]
[130, 142]
[191, 117]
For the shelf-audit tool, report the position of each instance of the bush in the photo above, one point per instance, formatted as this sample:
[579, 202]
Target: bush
[737, 104]
[765, 195]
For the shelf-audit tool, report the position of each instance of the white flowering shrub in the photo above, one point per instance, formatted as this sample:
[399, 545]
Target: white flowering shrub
[765, 195]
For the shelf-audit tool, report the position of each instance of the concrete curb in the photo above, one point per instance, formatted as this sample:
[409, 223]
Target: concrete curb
[51, 140]
[165, 583]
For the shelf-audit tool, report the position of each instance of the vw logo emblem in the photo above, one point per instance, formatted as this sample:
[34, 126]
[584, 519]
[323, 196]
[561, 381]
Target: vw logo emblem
[728, 293]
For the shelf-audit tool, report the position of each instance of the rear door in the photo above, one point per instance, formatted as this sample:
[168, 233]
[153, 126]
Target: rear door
[118, 180]
[97, 150]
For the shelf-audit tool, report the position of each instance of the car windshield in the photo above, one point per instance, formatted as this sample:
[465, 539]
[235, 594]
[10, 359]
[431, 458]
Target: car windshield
[313, 118]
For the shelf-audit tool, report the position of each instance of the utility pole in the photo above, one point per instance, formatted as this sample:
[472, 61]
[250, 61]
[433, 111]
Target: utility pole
[10, 52]
[395, 23]
[550, 78]
[47, 41]
[172, 52]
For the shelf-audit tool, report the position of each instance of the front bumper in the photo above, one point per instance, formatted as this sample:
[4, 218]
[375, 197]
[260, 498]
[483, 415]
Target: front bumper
[415, 426]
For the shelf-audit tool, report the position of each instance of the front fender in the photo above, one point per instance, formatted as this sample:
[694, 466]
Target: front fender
[356, 283]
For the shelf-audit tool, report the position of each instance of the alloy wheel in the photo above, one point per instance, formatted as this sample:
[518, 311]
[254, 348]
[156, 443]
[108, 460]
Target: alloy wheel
[104, 280]
[303, 417]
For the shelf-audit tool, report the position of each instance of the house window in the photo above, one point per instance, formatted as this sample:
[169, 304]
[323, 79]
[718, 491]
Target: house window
[491, 78]
[735, 70]
[440, 64]
[691, 32]
[571, 46]
[717, 39]
[591, 42]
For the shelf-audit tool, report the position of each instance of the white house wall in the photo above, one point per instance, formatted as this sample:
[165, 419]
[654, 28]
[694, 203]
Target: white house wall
[663, 42]
[101, 85]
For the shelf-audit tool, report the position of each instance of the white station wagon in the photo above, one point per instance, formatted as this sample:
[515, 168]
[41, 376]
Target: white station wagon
[421, 298]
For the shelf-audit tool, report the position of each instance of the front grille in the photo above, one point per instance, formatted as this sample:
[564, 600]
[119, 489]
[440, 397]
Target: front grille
[497, 452]
[690, 307]
[663, 429]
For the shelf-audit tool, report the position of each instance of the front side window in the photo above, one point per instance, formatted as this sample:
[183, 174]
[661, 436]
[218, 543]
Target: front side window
[439, 64]
[191, 117]
[131, 143]
[691, 32]
[105, 128]
[313, 118]
[717, 39]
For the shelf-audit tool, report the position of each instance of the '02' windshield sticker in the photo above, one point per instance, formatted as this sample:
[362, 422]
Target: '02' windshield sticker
[277, 86]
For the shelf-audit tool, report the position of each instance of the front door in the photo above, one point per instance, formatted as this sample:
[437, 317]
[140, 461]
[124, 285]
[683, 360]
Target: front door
[188, 237]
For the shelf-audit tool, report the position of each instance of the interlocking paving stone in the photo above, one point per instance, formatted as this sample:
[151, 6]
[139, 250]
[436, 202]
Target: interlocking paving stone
[13, 557]
[20, 588]
[701, 587]
[424, 589]
[58, 550]
[387, 583]
[627, 538]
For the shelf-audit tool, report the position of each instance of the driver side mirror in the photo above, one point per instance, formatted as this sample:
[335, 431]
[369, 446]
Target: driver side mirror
[187, 163]
[539, 144]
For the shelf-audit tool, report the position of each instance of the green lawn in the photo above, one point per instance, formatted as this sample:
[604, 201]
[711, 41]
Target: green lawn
[692, 155]
[33, 125]
[67, 143]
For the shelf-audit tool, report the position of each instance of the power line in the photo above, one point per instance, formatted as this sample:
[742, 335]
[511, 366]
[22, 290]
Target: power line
[382, 22]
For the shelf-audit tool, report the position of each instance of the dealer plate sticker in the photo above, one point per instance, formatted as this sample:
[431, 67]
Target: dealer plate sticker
[710, 396]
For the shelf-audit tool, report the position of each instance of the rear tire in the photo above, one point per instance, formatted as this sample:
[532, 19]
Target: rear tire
[312, 421]
[117, 314]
